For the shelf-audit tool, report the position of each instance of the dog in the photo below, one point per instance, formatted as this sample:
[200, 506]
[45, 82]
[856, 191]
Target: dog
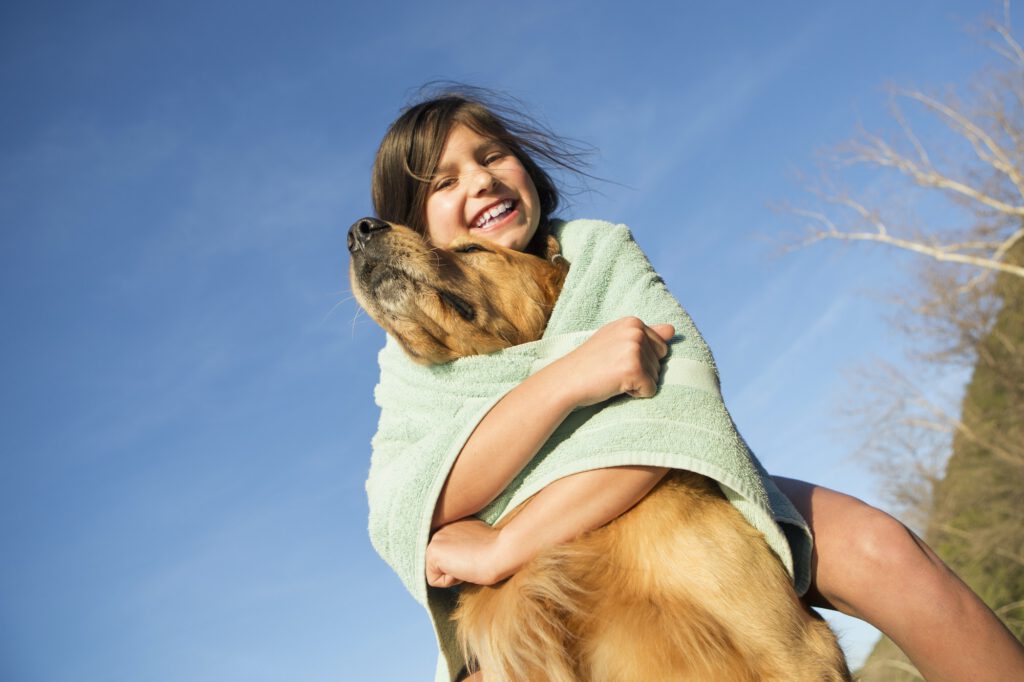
[680, 587]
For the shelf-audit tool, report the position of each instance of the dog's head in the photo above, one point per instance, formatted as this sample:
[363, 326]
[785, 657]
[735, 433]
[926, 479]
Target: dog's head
[471, 298]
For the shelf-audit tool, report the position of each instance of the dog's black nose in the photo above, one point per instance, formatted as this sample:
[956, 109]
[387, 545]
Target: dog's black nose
[362, 230]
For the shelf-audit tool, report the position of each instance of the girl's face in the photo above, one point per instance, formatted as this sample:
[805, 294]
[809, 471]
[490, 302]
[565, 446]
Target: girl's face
[481, 189]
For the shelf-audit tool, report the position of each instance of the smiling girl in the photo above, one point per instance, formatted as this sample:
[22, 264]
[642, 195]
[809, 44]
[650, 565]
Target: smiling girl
[452, 166]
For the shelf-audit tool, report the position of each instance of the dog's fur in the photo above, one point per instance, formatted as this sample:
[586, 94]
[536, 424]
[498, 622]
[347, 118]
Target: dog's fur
[680, 587]
[446, 304]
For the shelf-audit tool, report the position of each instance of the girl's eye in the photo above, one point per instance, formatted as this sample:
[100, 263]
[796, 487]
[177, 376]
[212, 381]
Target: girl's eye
[492, 157]
[444, 183]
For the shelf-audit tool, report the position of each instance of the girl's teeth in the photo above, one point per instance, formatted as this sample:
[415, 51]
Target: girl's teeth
[493, 213]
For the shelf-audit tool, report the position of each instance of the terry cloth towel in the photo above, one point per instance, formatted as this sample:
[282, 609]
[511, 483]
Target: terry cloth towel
[428, 412]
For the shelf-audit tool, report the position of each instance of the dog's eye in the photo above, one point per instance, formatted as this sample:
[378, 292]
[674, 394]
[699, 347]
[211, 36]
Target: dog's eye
[459, 305]
[470, 248]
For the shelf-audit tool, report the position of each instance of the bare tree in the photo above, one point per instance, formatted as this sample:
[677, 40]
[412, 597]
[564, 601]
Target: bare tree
[991, 187]
[954, 466]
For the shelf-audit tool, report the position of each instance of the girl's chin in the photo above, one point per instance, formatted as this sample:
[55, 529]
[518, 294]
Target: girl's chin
[515, 239]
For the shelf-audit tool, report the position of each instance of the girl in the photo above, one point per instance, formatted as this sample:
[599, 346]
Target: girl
[453, 166]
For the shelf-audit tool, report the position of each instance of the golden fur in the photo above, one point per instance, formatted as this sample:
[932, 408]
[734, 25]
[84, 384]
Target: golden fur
[680, 587]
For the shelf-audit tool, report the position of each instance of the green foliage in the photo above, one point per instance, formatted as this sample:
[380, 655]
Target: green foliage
[887, 663]
[978, 520]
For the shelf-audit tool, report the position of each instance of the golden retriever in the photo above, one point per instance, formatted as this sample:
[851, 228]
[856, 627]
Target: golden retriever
[680, 587]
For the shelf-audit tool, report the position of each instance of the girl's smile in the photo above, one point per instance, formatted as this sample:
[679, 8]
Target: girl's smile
[480, 188]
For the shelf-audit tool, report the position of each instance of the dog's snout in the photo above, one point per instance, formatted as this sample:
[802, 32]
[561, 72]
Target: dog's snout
[362, 230]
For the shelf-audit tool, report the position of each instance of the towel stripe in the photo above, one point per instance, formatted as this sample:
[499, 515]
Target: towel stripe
[687, 372]
[677, 371]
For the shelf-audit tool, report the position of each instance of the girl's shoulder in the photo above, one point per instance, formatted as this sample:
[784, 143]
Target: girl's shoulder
[581, 226]
[583, 234]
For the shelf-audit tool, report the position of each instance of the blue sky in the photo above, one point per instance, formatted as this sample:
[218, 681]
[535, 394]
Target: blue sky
[187, 382]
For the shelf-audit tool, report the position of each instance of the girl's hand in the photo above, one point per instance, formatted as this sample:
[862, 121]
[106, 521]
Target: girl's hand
[467, 550]
[621, 357]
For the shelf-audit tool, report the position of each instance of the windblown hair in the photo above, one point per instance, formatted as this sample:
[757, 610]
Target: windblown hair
[411, 150]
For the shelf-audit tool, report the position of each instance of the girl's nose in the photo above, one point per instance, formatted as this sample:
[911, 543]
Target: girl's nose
[483, 181]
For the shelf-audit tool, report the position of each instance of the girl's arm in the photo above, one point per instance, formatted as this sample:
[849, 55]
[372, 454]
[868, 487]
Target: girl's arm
[472, 551]
[621, 357]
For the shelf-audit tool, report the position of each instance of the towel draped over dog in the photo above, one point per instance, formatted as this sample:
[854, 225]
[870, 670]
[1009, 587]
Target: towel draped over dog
[428, 413]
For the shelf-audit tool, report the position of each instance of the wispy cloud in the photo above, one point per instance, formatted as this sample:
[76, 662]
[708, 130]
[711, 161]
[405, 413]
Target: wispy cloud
[655, 135]
[776, 376]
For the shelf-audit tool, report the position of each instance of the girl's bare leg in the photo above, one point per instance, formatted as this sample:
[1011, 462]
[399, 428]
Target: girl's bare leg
[869, 565]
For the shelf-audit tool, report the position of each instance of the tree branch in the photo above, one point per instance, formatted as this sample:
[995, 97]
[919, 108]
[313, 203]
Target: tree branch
[947, 253]
[996, 156]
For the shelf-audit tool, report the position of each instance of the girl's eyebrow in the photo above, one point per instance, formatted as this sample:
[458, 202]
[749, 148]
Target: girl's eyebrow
[484, 145]
[443, 168]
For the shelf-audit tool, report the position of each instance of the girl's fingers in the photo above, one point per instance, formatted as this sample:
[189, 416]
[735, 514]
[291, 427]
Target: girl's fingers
[623, 356]
[664, 331]
[659, 335]
[651, 354]
[442, 580]
[646, 384]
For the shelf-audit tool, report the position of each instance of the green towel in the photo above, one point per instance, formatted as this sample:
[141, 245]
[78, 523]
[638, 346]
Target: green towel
[428, 413]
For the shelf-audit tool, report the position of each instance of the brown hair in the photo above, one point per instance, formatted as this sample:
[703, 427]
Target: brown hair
[411, 149]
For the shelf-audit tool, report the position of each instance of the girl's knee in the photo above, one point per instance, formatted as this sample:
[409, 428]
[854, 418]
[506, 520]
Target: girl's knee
[883, 543]
[879, 555]
[864, 557]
